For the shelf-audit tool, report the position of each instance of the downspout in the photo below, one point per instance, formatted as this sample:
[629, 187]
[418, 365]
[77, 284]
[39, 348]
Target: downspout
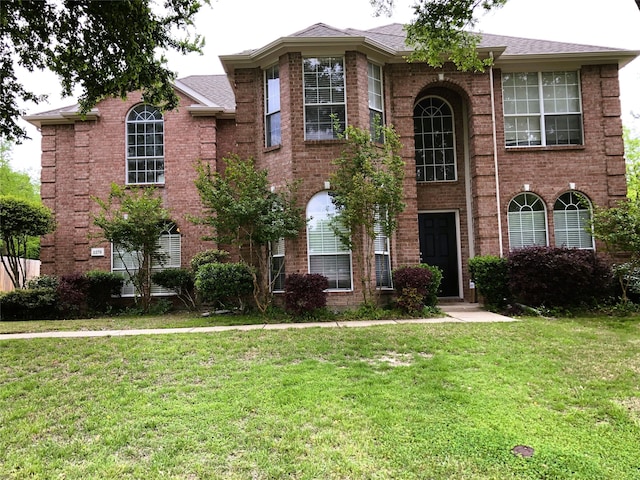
[495, 154]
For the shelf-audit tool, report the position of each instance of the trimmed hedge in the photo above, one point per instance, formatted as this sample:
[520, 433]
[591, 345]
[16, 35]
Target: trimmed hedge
[416, 287]
[490, 274]
[558, 277]
[224, 284]
[305, 294]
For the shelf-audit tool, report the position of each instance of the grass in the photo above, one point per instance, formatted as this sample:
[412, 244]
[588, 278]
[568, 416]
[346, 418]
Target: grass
[429, 401]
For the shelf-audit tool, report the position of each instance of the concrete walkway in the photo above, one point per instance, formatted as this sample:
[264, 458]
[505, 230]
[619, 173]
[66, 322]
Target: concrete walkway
[455, 313]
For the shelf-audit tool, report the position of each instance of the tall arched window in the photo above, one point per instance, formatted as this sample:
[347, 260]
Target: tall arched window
[145, 145]
[435, 143]
[327, 255]
[571, 221]
[527, 221]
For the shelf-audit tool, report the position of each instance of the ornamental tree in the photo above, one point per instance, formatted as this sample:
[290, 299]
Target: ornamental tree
[132, 220]
[105, 48]
[20, 221]
[243, 211]
[367, 190]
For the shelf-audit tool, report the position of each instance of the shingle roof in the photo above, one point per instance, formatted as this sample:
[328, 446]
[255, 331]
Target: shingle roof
[215, 88]
[393, 36]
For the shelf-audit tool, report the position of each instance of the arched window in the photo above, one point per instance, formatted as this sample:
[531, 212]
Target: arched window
[434, 137]
[527, 221]
[327, 254]
[145, 145]
[571, 221]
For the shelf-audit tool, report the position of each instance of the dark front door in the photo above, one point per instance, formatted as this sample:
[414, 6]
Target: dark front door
[439, 247]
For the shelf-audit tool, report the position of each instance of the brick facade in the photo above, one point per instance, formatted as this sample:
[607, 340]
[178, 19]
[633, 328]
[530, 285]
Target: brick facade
[82, 159]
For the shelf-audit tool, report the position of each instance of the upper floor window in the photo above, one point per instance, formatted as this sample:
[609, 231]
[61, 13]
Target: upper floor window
[542, 108]
[272, 106]
[435, 140]
[145, 145]
[527, 221]
[328, 256]
[324, 97]
[572, 220]
[376, 112]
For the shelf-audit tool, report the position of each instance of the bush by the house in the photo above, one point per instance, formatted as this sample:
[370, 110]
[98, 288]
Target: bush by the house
[43, 281]
[29, 304]
[179, 280]
[73, 293]
[416, 287]
[304, 294]
[489, 273]
[558, 277]
[103, 287]
[224, 284]
[208, 256]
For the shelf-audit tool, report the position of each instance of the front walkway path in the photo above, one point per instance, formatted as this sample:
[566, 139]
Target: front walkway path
[455, 312]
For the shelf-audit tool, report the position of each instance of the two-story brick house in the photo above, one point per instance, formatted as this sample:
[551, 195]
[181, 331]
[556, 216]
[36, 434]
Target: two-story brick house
[494, 160]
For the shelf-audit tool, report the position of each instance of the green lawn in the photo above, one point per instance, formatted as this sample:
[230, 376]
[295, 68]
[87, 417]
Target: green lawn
[429, 401]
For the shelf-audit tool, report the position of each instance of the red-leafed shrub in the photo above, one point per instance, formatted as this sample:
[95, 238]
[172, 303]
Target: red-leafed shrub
[305, 294]
[73, 292]
[558, 277]
[416, 287]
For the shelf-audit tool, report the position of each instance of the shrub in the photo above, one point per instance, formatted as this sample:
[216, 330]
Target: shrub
[491, 278]
[43, 281]
[103, 286]
[304, 294]
[31, 304]
[558, 277]
[179, 280]
[208, 256]
[73, 291]
[222, 283]
[416, 287]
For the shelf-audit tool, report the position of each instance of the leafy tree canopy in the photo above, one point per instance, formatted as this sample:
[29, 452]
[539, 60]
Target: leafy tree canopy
[20, 220]
[632, 157]
[106, 48]
[443, 30]
[133, 220]
[12, 182]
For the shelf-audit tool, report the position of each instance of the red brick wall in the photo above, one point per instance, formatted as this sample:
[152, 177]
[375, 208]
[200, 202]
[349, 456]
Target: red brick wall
[82, 161]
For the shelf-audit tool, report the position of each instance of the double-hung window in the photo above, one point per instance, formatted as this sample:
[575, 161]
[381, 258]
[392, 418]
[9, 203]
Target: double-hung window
[328, 256]
[277, 272]
[272, 106]
[383, 258]
[127, 263]
[376, 112]
[542, 108]
[145, 146]
[324, 97]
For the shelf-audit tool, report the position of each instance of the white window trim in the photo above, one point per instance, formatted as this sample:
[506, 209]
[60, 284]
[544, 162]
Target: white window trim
[371, 107]
[126, 151]
[387, 253]
[309, 255]
[267, 112]
[543, 115]
[546, 222]
[563, 211]
[304, 100]
[455, 142]
[128, 291]
[280, 254]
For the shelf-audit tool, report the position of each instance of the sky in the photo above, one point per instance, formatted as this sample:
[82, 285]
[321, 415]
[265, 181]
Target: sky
[228, 30]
